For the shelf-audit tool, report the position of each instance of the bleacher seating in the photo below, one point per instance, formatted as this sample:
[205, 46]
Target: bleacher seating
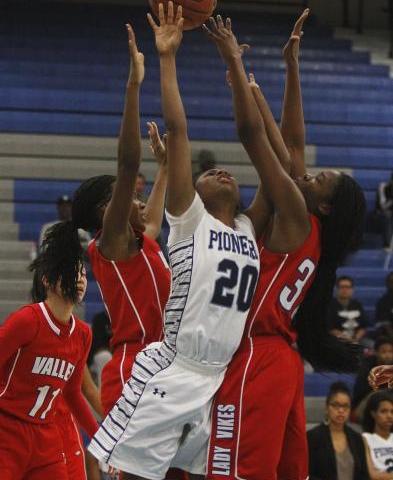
[66, 76]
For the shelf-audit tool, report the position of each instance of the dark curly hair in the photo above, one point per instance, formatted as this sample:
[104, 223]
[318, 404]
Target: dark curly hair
[60, 258]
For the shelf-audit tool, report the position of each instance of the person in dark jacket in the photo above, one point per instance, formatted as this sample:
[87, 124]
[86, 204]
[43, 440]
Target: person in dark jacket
[336, 451]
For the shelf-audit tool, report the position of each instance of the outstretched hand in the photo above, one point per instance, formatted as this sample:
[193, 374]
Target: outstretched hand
[169, 32]
[291, 49]
[157, 144]
[224, 38]
[137, 59]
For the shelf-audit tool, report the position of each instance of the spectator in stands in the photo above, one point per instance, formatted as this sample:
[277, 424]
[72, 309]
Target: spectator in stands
[346, 318]
[206, 161]
[384, 205]
[336, 451]
[378, 437]
[99, 353]
[384, 308]
[140, 188]
[383, 356]
[64, 214]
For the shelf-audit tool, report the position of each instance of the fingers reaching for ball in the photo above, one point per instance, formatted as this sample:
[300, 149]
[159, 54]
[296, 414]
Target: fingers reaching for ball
[169, 32]
[137, 59]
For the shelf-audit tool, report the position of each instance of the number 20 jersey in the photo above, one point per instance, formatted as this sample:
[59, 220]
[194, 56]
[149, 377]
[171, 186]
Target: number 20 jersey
[214, 274]
[283, 283]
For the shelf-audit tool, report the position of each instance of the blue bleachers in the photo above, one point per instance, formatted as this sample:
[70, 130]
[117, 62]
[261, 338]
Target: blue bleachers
[66, 75]
[317, 384]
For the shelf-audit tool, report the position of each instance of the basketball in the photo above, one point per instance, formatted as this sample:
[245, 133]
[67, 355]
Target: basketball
[195, 12]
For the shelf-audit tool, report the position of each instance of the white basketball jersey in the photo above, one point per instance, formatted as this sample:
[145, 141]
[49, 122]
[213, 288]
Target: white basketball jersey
[381, 450]
[214, 273]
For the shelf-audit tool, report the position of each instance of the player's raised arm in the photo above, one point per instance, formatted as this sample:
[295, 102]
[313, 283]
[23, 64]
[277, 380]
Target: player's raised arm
[168, 35]
[289, 204]
[154, 210]
[118, 239]
[292, 119]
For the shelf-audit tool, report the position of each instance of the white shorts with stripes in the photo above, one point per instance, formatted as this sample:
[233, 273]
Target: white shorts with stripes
[162, 419]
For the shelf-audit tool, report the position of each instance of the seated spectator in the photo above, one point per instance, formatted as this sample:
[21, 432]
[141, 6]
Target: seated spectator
[384, 308]
[64, 214]
[336, 451]
[383, 355]
[378, 437]
[140, 188]
[384, 205]
[346, 318]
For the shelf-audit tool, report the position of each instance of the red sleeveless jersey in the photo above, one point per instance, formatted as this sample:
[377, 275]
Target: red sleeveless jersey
[134, 291]
[40, 359]
[283, 283]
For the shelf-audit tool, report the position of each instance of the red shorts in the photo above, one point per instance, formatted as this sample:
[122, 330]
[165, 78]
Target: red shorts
[73, 446]
[259, 424]
[116, 373]
[30, 451]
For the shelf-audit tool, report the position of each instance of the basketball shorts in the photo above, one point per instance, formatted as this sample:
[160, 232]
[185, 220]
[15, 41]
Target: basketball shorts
[258, 419]
[73, 447]
[162, 418]
[116, 373]
[30, 451]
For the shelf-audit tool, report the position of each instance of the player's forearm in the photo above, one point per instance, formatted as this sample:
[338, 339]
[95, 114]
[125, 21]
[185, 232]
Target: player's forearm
[154, 210]
[172, 105]
[252, 133]
[247, 116]
[273, 132]
[180, 188]
[292, 118]
[81, 411]
[91, 393]
[129, 148]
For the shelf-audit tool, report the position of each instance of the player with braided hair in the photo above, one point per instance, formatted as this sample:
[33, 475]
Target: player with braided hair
[44, 348]
[311, 224]
[126, 261]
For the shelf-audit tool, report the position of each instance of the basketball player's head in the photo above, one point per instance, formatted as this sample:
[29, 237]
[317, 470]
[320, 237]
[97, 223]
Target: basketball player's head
[218, 189]
[378, 414]
[338, 404]
[58, 269]
[91, 200]
[321, 191]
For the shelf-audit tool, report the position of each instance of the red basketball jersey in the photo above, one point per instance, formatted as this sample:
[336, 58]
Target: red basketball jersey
[40, 358]
[283, 283]
[134, 292]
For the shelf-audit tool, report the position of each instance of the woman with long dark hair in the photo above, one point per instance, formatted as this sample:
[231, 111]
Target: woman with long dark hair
[44, 348]
[302, 246]
[336, 450]
[378, 436]
[73, 448]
